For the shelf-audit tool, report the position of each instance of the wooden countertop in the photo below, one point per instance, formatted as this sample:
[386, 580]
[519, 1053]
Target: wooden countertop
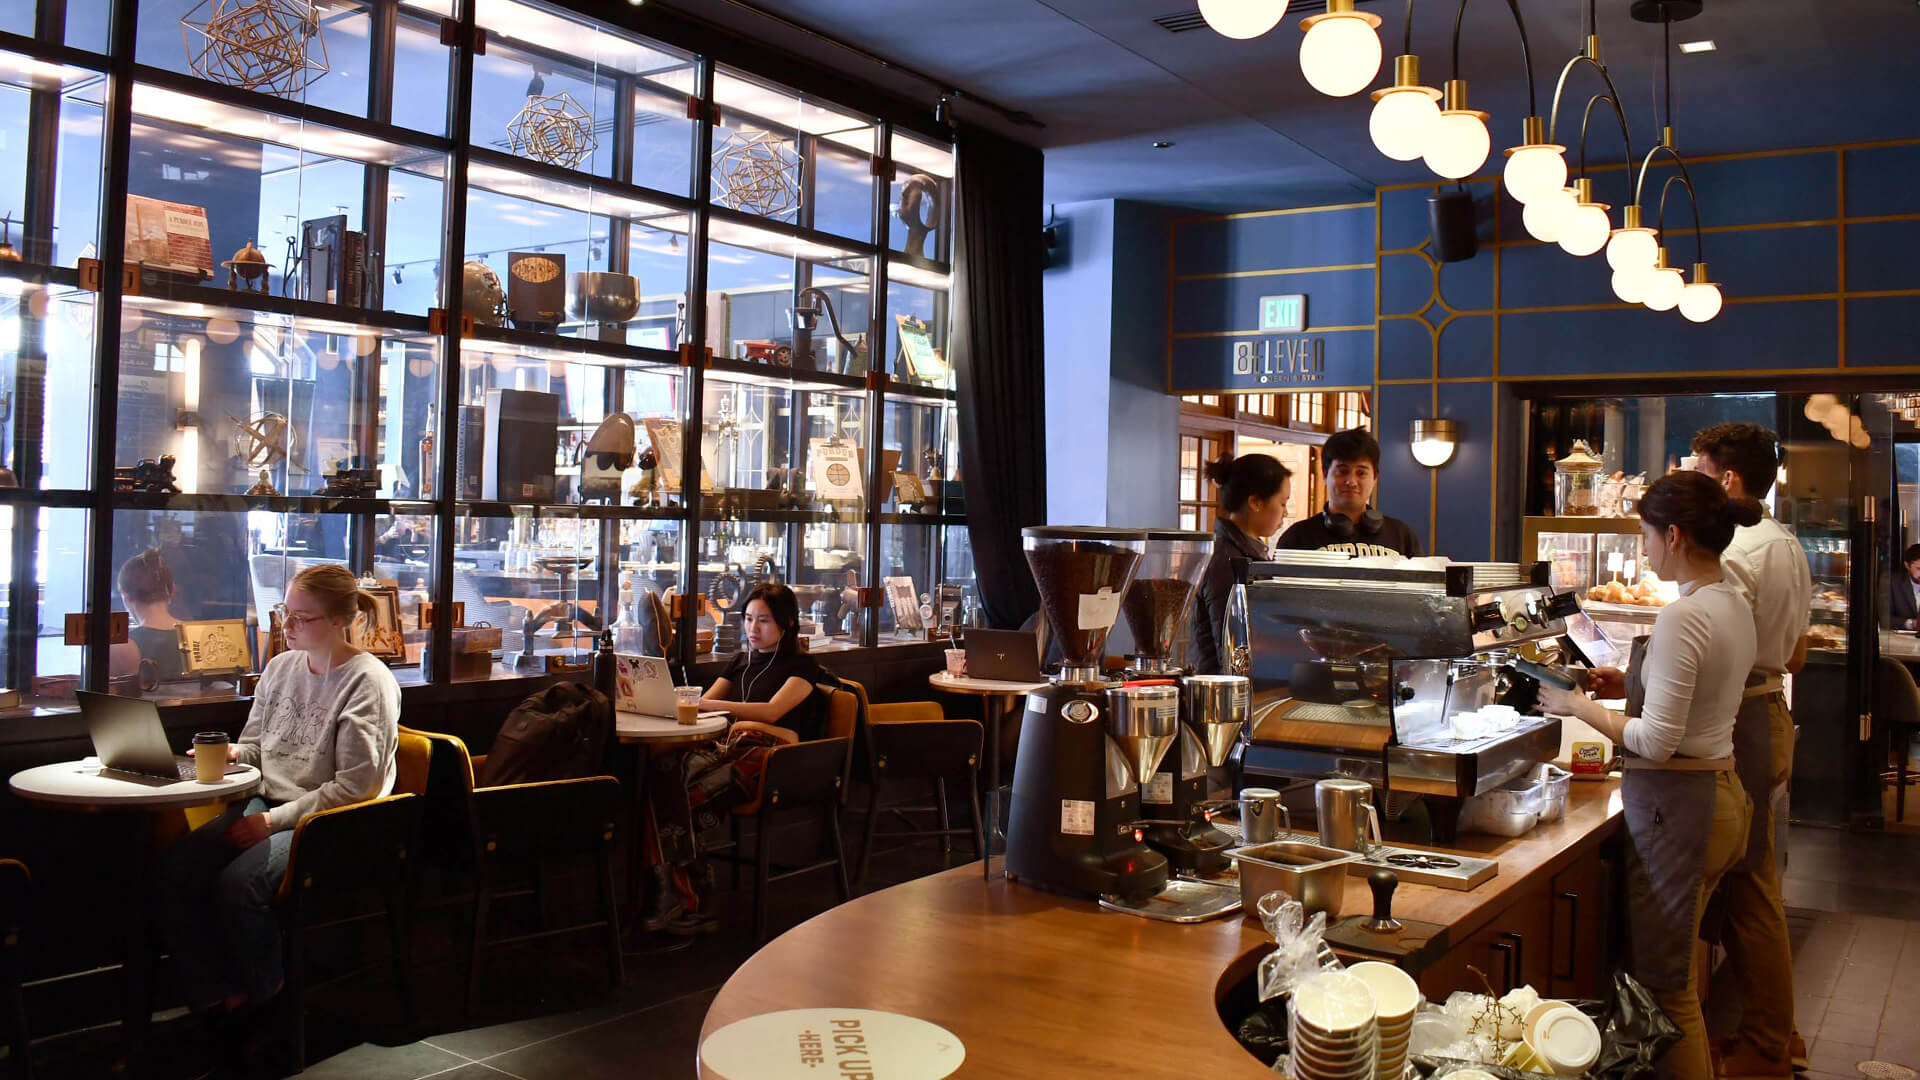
[1042, 985]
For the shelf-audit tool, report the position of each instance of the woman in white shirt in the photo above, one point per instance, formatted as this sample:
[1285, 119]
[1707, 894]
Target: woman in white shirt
[1687, 813]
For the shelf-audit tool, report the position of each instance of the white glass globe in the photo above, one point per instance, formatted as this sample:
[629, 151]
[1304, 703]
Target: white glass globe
[1401, 122]
[1543, 217]
[1242, 19]
[1535, 172]
[1340, 55]
[1632, 249]
[1585, 230]
[1664, 287]
[1631, 285]
[1700, 301]
[1459, 145]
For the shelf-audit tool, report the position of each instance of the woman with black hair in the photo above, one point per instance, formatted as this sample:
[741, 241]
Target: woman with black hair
[770, 691]
[1253, 506]
[1686, 811]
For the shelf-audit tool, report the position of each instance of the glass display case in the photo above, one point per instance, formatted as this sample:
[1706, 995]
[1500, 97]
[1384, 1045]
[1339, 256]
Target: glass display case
[598, 337]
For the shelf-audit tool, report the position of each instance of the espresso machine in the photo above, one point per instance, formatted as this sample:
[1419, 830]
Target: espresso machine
[1213, 708]
[1086, 740]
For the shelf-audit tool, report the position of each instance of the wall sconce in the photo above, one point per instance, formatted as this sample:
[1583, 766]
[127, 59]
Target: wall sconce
[1433, 441]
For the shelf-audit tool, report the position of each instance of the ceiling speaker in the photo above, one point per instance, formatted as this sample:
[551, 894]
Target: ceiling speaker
[1450, 217]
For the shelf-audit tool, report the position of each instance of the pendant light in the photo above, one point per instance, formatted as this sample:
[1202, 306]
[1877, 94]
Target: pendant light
[1536, 169]
[1632, 247]
[1340, 55]
[1664, 284]
[1585, 229]
[1631, 285]
[1404, 114]
[1542, 217]
[1460, 143]
[1242, 19]
[1700, 301]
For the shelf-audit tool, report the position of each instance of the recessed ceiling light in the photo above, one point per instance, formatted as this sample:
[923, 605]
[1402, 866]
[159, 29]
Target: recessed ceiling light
[1162, 144]
[1698, 46]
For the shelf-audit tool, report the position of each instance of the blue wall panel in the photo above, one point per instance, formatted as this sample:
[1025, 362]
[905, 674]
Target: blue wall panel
[1275, 242]
[1466, 347]
[1463, 527]
[1403, 218]
[1405, 488]
[1880, 181]
[1406, 349]
[1883, 331]
[1880, 256]
[1406, 284]
[1625, 341]
[1542, 275]
[1334, 298]
[1767, 262]
[1468, 286]
[1752, 191]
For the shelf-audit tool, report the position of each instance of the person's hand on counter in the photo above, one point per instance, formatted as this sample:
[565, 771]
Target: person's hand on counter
[1607, 682]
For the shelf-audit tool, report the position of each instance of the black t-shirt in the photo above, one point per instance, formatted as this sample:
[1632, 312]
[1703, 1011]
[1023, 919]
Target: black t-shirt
[757, 677]
[1394, 537]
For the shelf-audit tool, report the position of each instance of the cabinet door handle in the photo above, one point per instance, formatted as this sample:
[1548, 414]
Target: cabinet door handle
[1573, 936]
[1519, 957]
[1505, 949]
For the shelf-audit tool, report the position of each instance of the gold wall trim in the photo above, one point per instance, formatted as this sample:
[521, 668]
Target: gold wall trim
[1839, 149]
[1188, 335]
[1327, 209]
[1275, 273]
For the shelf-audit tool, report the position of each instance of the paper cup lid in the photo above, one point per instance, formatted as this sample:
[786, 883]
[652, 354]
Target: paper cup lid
[1568, 1040]
[1334, 1001]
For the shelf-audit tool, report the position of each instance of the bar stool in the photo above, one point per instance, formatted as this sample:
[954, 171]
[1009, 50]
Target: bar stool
[915, 741]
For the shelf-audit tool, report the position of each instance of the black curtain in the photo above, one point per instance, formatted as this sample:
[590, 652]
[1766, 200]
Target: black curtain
[997, 351]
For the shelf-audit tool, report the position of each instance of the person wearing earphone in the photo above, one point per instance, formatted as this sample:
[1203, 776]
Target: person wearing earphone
[1348, 522]
[772, 691]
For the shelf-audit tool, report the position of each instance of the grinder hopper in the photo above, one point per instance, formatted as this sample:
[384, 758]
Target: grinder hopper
[1143, 719]
[1082, 574]
[1161, 595]
[1218, 707]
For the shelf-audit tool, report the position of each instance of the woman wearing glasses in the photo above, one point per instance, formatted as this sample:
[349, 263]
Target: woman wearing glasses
[322, 730]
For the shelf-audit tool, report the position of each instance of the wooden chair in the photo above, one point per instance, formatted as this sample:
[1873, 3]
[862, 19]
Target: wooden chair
[915, 741]
[343, 852]
[15, 886]
[798, 779]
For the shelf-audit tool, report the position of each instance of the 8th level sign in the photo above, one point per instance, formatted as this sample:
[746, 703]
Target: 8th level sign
[1283, 314]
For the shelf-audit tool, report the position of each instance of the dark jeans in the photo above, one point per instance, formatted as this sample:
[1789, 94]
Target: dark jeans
[691, 791]
[216, 910]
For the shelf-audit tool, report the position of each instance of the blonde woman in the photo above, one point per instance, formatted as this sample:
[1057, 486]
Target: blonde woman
[322, 729]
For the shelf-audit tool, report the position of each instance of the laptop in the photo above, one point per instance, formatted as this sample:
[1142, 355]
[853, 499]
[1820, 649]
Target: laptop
[1003, 655]
[644, 685]
[129, 738]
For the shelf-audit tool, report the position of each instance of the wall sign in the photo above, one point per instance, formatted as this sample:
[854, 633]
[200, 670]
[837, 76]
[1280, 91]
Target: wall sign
[852, 1044]
[1287, 361]
[1283, 314]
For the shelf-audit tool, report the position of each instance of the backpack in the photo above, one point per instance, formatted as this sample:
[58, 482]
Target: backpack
[560, 733]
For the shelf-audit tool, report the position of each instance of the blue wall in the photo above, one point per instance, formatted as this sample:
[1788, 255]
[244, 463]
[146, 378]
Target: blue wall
[1813, 250]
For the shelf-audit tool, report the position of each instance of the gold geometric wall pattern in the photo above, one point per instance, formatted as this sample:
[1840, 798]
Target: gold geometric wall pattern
[270, 45]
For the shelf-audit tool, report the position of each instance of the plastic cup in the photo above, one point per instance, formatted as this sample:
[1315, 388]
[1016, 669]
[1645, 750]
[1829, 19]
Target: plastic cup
[686, 704]
[210, 756]
[957, 663]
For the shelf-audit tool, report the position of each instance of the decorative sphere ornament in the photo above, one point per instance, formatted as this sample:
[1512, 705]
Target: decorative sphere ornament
[1585, 231]
[273, 46]
[757, 172]
[1664, 286]
[1632, 249]
[1700, 301]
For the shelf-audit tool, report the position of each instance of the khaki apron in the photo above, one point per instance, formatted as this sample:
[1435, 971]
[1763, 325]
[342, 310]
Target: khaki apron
[1753, 760]
[1669, 812]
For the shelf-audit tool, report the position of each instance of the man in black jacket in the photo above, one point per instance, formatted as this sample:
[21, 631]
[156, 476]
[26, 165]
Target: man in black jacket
[1906, 591]
[1348, 521]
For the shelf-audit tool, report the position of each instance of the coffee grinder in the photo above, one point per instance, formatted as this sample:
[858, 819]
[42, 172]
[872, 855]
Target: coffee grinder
[1086, 739]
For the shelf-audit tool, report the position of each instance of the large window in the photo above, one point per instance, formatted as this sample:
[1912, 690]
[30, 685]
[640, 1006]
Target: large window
[1288, 426]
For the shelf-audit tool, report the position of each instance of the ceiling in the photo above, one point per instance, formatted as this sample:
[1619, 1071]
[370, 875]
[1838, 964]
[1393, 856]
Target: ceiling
[1249, 133]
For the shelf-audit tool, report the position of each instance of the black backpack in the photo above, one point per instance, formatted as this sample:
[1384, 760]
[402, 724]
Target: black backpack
[560, 733]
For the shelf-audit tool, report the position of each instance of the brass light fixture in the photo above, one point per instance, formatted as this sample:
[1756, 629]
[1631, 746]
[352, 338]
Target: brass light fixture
[1432, 440]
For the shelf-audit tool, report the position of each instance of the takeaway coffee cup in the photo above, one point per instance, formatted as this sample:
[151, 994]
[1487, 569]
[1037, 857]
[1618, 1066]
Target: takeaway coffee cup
[210, 756]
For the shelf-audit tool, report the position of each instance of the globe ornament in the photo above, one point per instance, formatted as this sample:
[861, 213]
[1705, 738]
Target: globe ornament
[757, 172]
[262, 440]
[270, 45]
[553, 128]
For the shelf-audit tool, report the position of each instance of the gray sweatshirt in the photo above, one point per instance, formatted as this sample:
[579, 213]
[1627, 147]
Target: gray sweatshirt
[321, 741]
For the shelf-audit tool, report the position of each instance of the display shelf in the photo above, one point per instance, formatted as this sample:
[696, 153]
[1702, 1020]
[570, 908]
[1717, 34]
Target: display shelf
[566, 189]
[18, 496]
[786, 517]
[56, 67]
[572, 350]
[26, 273]
[586, 511]
[898, 389]
[919, 271]
[277, 504]
[743, 230]
[912, 517]
[204, 301]
[757, 373]
[162, 96]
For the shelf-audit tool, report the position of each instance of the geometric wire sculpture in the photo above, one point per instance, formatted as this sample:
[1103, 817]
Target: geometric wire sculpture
[758, 172]
[552, 128]
[271, 45]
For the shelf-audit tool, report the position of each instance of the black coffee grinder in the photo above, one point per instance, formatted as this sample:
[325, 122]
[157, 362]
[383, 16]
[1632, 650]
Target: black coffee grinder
[1086, 739]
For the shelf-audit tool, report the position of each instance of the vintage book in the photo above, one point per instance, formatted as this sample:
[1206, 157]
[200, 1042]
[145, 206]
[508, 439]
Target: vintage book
[169, 236]
[536, 289]
[353, 273]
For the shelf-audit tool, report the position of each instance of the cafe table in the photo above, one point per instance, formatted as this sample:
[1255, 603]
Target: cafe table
[999, 698]
[646, 733]
[81, 786]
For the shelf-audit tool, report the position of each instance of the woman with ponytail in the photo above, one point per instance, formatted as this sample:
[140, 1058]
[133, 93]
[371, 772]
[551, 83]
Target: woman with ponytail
[1687, 813]
[322, 729]
[1253, 506]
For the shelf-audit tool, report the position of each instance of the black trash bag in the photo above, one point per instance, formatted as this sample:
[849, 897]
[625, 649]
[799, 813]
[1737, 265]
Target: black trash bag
[1264, 1031]
[1634, 1034]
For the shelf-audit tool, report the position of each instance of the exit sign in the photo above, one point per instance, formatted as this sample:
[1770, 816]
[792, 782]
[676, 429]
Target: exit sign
[1283, 314]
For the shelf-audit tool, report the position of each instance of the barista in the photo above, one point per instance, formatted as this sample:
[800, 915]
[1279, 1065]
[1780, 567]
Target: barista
[1253, 506]
[1348, 522]
[1769, 568]
[1685, 808]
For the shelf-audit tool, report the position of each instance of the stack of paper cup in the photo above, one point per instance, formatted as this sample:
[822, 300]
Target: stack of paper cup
[1395, 997]
[1331, 1029]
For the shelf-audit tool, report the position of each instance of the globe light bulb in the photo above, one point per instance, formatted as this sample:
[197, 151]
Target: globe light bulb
[1535, 171]
[1543, 217]
[1663, 288]
[1459, 145]
[1242, 19]
[1632, 249]
[1585, 230]
[1341, 53]
[1701, 300]
[1403, 119]
[1631, 285]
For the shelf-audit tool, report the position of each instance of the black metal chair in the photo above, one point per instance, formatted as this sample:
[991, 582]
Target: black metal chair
[916, 742]
[16, 884]
[1899, 708]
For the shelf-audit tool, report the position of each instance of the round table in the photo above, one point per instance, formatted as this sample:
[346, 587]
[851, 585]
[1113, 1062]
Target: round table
[639, 728]
[999, 698]
[80, 786]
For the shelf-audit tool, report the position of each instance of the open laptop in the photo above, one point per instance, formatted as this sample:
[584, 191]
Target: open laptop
[644, 685]
[128, 737]
[1003, 655]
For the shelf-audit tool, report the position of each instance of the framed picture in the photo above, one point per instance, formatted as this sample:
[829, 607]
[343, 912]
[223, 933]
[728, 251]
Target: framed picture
[909, 488]
[917, 351]
[381, 635]
[214, 646]
[834, 467]
[904, 601]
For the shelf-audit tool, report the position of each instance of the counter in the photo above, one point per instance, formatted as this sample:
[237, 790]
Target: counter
[1041, 985]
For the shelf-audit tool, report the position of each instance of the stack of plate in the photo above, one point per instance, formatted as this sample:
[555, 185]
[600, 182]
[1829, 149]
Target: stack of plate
[1331, 1029]
[1395, 997]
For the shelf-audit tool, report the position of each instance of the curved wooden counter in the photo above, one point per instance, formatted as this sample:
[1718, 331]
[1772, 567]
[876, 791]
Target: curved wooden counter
[1040, 985]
